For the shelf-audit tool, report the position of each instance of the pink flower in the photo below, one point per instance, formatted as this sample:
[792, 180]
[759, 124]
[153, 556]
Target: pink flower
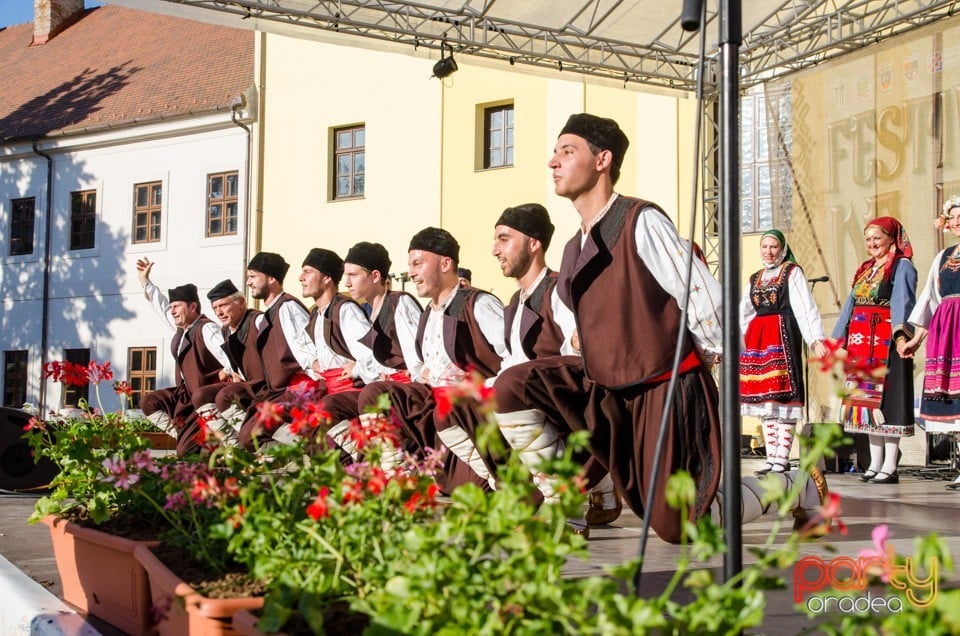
[117, 473]
[35, 423]
[879, 535]
[97, 372]
[175, 501]
[826, 518]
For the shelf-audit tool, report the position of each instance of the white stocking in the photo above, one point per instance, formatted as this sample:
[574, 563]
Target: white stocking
[460, 444]
[751, 494]
[340, 434]
[890, 447]
[876, 453]
[784, 441]
[164, 422]
[535, 440]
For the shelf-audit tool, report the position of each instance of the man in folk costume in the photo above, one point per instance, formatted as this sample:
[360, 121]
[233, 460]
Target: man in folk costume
[627, 341]
[460, 331]
[236, 321]
[277, 337]
[199, 359]
[394, 319]
[536, 325]
[340, 362]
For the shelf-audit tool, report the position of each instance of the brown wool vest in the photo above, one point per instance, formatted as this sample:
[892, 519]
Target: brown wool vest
[332, 332]
[196, 365]
[277, 360]
[540, 335]
[463, 340]
[627, 323]
[382, 338]
[244, 356]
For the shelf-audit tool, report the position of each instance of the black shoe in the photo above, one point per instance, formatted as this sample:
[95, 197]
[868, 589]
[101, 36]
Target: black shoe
[763, 471]
[884, 478]
[867, 475]
[954, 486]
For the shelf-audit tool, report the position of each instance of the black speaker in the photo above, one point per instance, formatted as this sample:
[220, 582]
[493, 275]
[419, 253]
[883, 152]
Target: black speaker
[18, 470]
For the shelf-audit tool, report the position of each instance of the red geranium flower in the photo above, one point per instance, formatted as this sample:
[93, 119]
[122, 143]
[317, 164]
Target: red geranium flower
[121, 387]
[319, 509]
[269, 414]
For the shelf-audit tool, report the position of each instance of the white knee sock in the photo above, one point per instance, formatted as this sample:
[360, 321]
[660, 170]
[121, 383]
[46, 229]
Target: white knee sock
[607, 492]
[390, 456]
[284, 434]
[164, 422]
[876, 453]
[460, 444]
[890, 447]
[340, 434]
[770, 439]
[784, 441]
[751, 495]
[534, 439]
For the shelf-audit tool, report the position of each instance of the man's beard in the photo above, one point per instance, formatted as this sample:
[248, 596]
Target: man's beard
[520, 267]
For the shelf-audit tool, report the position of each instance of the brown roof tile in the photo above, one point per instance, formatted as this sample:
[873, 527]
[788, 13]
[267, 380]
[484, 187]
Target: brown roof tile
[117, 66]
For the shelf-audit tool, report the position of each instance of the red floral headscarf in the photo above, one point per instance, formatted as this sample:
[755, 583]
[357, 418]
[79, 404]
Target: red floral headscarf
[900, 247]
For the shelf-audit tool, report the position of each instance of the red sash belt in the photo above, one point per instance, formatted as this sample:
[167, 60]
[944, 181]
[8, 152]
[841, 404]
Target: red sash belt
[692, 361]
[399, 376]
[302, 382]
[336, 383]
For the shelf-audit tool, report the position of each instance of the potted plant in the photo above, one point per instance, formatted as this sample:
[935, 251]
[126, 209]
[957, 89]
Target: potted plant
[97, 568]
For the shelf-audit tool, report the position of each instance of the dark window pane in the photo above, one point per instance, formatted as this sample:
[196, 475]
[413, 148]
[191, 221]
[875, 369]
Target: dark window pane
[156, 195]
[216, 187]
[232, 182]
[141, 196]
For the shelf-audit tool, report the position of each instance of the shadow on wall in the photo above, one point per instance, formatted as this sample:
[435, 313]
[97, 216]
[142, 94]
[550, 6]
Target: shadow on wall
[85, 285]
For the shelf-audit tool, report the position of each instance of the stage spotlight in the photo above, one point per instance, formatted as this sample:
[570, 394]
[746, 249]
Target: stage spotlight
[445, 66]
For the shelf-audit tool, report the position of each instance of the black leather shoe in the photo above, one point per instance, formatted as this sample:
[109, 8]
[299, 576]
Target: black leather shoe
[884, 478]
[955, 486]
[867, 475]
[763, 471]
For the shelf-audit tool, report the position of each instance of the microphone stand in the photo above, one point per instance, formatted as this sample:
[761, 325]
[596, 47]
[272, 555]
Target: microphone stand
[806, 365]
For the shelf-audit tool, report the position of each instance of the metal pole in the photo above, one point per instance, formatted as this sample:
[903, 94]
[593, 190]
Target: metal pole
[730, 40]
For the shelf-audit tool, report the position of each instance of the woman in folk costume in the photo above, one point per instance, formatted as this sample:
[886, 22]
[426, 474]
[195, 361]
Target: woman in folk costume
[938, 311]
[778, 311]
[873, 317]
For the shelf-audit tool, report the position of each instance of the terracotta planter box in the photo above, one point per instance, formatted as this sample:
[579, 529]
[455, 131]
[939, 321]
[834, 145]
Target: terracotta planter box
[101, 576]
[187, 611]
[161, 441]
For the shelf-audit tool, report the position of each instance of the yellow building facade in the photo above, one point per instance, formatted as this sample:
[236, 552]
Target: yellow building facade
[423, 145]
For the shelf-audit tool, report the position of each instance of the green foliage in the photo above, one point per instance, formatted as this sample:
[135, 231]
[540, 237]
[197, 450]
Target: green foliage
[79, 446]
